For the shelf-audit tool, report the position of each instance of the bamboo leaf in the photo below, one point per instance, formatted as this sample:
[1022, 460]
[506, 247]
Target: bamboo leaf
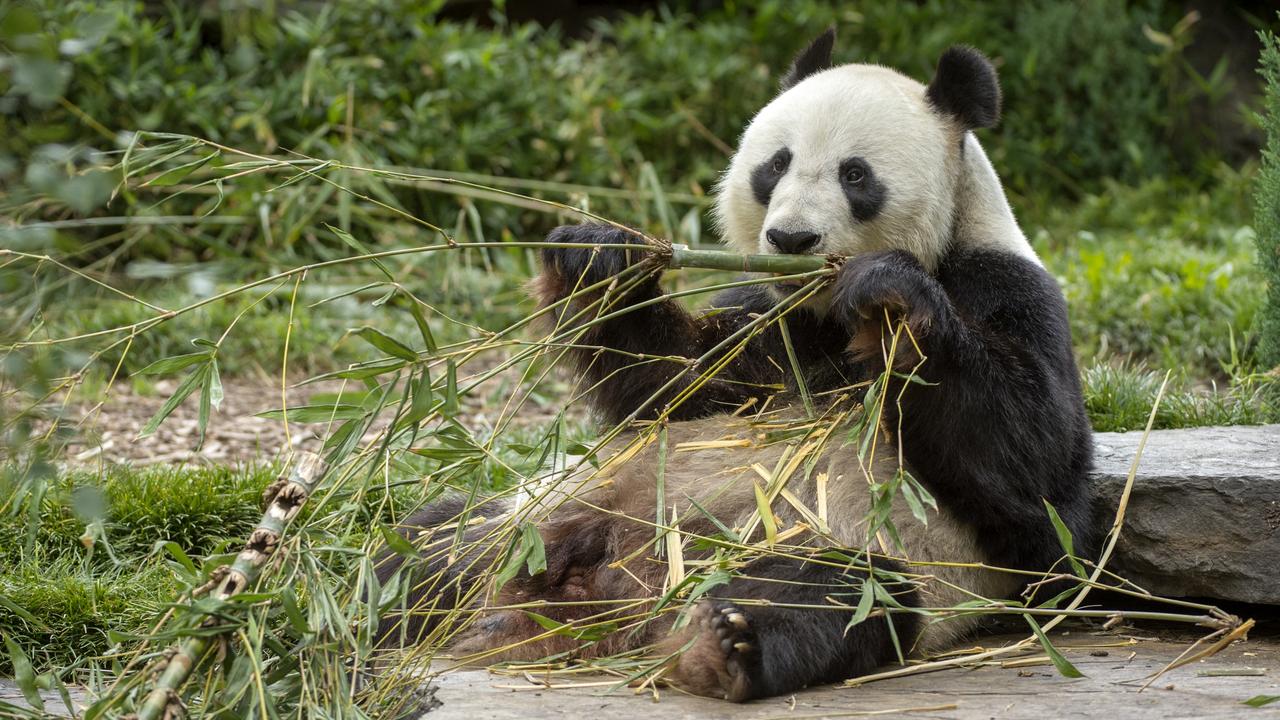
[385, 343]
[729, 534]
[451, 405]
[1064, 666]
[293, 613]
[766, 514]
[175, 551]
[424, 328]
[536, 555]
[1261, 700]
[359, 247]
[715, 579]
[913, 502]
[188, 386]
[397, 542]
[173, 364]
[865, 603]
[23, 674]
[316, 413]
[1065, 539]
[527, 552]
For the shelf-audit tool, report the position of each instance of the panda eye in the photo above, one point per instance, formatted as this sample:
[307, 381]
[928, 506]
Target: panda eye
[853, 176]
[779, 165]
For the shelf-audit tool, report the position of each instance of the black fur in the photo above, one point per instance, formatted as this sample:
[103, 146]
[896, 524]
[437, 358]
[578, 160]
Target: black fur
[1004, 428]
[965, 86]
[813, 59]
[866, 195]
[765, 177]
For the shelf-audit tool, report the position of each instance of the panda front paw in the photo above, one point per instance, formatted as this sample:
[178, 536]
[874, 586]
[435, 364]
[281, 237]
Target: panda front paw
[874, 292]
[566, 270]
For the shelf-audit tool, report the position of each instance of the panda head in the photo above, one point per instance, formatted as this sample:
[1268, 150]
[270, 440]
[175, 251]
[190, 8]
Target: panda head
[858, 158]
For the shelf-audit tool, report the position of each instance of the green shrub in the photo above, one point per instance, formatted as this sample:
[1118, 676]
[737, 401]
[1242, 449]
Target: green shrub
[645, 97]
[1267, 197]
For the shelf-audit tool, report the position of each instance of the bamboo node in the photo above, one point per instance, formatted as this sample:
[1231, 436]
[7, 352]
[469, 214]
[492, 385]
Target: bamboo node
[216, 576]
[270, 492]
[262, 542]
[234, 584]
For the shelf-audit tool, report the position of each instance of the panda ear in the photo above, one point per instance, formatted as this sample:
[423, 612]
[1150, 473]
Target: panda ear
[965, 86]
[813, 59]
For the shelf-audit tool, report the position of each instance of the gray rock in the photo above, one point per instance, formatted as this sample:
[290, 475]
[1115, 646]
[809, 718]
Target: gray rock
[1204, 516]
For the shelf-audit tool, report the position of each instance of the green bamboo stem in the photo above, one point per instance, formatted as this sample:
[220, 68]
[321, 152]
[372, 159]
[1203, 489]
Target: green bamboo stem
[284, 500]
[683, 256]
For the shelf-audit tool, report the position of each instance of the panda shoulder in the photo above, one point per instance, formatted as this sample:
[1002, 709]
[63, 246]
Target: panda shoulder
[989, 282]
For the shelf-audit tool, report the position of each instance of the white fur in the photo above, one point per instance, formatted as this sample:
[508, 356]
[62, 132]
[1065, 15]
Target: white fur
[937, 197]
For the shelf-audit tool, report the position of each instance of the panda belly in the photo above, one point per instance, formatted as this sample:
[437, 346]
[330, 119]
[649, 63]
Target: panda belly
[713, 469]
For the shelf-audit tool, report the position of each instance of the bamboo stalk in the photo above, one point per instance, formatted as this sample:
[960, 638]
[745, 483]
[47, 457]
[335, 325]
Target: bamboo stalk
[683, 256]
[283, 499]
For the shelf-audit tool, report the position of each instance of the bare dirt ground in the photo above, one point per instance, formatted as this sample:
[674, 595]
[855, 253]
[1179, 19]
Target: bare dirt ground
[109, 431]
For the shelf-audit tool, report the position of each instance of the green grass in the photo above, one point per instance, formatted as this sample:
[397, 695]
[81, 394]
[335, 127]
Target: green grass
[194, 507]
[70, 611]
[92, 566]
[1119, 398]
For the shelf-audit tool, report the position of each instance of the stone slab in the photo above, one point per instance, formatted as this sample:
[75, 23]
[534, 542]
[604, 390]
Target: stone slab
[1204, 516]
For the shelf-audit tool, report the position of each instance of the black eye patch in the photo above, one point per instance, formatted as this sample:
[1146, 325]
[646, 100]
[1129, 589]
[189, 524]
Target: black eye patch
[766, 175]
[865, 193]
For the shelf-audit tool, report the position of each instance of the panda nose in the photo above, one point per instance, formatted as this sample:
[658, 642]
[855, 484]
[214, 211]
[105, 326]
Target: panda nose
[793, 243]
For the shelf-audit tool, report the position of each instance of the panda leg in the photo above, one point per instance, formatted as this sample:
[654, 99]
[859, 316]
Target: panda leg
[740, 649]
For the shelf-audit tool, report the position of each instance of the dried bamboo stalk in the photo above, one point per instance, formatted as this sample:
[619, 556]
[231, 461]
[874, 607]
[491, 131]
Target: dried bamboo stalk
[283, 500]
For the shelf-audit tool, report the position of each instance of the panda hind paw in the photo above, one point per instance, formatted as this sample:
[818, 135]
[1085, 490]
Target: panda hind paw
[724, 652]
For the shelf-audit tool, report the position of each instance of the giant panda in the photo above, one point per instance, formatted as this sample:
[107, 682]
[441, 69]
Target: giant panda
[858, 161]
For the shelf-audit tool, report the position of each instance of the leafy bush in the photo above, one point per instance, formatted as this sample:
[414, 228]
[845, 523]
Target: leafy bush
[644, 102]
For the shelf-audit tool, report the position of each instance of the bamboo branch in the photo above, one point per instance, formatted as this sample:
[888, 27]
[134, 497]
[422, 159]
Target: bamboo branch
[283, 500]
